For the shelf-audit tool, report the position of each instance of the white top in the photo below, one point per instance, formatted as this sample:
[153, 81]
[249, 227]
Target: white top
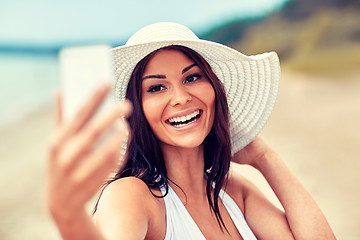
[180, 225]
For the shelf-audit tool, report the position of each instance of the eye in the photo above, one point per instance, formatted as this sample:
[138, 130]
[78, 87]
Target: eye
[192, 78]
[156, 88]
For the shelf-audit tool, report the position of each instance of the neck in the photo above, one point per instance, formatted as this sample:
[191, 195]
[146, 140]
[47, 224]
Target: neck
[185, 167]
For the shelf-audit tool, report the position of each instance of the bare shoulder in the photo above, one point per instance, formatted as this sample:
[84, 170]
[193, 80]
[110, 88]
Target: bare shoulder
[238, 187]
[239, 184]
[128, 187]
[242, 187]
[128, 204]
[261, 215]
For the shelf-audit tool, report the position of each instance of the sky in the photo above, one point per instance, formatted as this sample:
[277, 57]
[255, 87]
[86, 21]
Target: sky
[50, 22]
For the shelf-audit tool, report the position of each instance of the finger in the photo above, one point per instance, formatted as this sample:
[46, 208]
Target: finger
[53, 146]
[58, 107]
[106, 124]
[96, 132]
[81, 117]
[114, 155]
[90, 175]
[89, 108]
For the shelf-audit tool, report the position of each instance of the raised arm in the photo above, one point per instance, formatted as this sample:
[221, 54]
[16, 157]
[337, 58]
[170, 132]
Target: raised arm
[78, 164]
[302, 215]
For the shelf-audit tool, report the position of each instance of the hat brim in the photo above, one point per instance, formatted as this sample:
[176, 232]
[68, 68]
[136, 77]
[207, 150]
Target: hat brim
[251, 83]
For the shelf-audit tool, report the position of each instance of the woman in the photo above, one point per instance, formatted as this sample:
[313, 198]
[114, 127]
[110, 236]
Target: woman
[197, 105]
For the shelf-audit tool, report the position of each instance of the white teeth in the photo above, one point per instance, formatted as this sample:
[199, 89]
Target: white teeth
[183, 118]
[183, 124]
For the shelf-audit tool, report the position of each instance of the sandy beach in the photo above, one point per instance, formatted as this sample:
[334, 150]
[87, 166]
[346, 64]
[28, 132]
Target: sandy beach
[314, 128]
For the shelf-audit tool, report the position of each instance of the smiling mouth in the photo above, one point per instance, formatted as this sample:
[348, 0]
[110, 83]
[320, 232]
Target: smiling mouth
[185, 120]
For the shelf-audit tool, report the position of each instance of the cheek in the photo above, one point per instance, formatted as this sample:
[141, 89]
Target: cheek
[207, 93]
[208, 97]
[152, 111]
[212, 106]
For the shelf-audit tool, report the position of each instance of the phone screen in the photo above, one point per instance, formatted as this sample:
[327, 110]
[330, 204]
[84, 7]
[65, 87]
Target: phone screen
[83, 69]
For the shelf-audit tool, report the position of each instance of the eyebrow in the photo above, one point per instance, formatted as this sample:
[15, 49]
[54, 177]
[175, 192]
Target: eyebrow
[188, 68]
[163, 76]
[154, 76]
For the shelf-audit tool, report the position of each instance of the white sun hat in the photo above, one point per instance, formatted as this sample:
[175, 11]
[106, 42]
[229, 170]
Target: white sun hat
[251, 83]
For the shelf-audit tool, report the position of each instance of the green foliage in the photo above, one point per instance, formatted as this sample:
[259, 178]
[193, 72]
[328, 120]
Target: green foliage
[229, 32]
[321, 37]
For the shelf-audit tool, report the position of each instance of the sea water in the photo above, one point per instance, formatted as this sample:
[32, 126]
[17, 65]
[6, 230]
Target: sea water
[27, 84]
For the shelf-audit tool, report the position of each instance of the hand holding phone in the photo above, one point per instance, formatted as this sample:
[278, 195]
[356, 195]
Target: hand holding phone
[84, 150]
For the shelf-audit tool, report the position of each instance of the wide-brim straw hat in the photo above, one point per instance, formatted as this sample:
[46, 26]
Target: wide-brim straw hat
[251, 83]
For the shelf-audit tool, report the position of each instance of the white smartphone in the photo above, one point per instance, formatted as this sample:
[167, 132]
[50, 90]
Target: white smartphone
[83, 69]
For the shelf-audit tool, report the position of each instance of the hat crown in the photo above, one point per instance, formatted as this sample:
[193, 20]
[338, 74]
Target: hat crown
[160, 32]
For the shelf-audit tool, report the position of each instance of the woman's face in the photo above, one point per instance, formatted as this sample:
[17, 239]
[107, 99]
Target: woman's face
[177, 99]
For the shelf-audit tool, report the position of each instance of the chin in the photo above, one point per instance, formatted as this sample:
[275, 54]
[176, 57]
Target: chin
[190, 144]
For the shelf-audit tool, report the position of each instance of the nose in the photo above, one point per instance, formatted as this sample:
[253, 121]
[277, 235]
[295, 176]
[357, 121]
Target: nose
[180, 96]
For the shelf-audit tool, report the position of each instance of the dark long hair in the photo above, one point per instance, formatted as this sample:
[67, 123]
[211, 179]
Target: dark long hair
[144, 157]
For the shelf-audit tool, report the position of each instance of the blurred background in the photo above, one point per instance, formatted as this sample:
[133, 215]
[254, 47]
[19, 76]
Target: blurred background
[314, 126]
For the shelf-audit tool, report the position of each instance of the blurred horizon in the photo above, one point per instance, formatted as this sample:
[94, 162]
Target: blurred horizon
[37, 24]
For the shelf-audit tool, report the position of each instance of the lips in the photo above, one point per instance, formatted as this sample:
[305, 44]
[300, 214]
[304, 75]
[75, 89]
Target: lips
[181, 121]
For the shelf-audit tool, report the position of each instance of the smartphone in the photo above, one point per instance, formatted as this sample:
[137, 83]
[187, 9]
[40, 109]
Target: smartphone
[83, 69]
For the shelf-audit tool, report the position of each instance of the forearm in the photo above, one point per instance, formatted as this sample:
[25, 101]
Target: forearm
[79, 227]
[304, 217]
